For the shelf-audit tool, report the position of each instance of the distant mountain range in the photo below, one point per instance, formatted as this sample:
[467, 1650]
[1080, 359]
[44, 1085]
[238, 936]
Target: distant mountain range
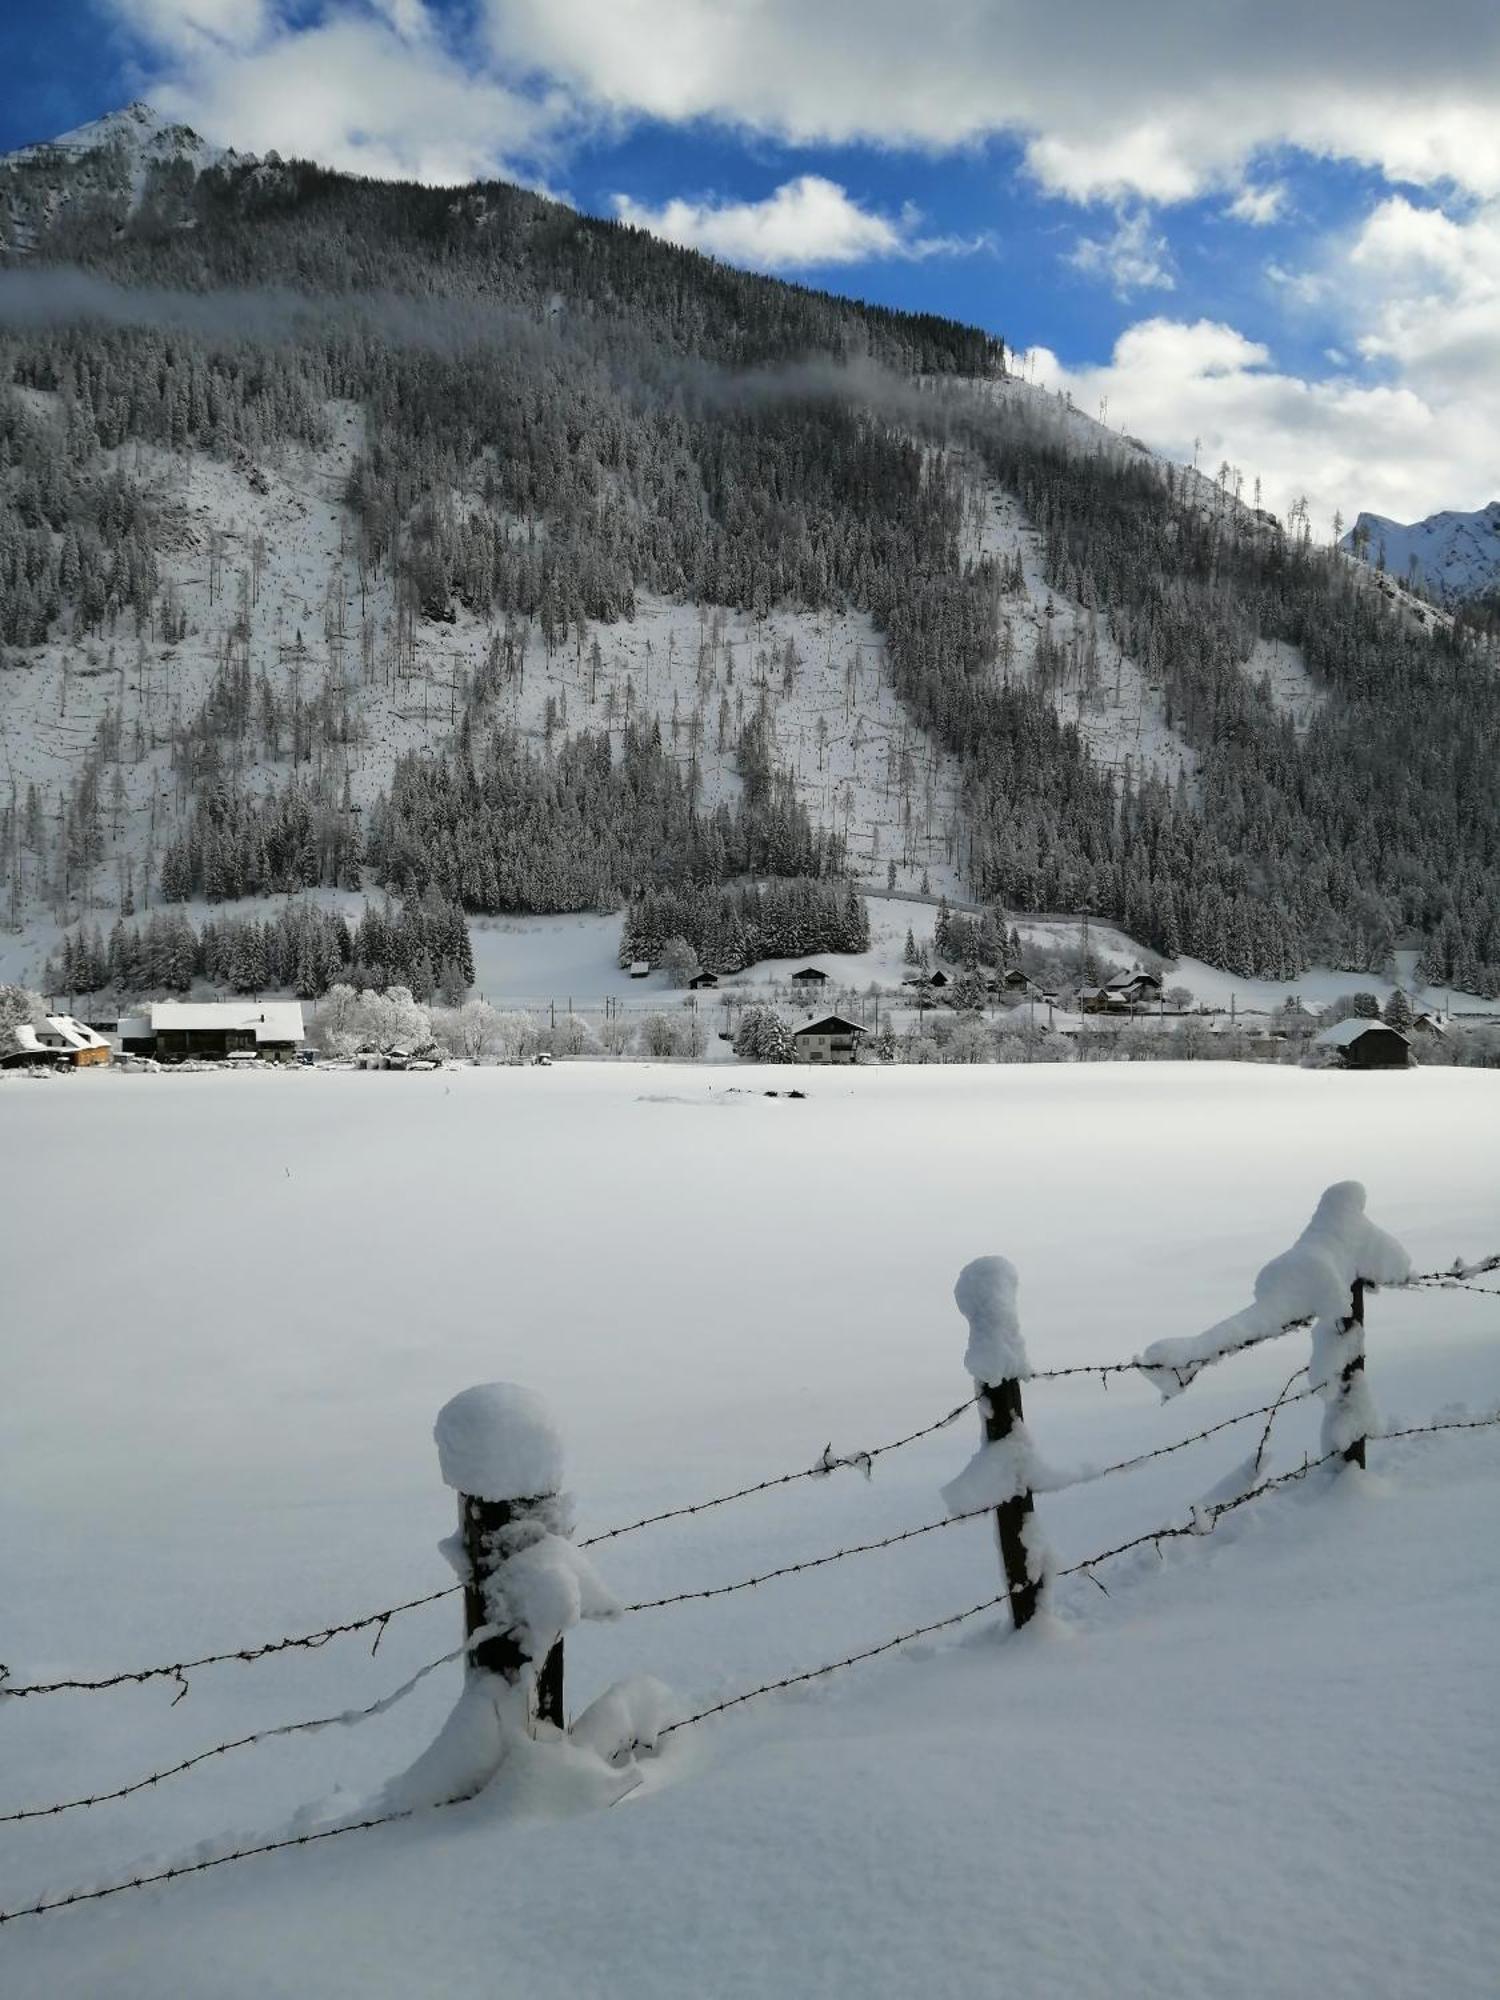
[1450, 556]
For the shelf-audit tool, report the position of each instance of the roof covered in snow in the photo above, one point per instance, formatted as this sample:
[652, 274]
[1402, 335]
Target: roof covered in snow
[71, 1033]
[1344, 1033]
[272, 1020]
[831, 1024]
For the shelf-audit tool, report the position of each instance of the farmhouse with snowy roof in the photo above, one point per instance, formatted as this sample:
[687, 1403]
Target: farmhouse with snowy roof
[1365, 1044]
[810, 976]
[179, 1030]
[831, 1040]
[58, 1041]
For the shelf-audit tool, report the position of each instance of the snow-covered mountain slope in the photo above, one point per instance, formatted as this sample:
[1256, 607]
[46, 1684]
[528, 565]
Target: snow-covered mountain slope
[120, 162]
[263, 570]
[1047, 637]
[1450, 555]
[137, 132]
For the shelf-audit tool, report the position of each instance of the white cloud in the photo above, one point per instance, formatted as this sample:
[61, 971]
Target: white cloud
[1426, 436]
[187, 25]
[806, 221]
[1133, 259]
[1109, 101]
[370, 90]
[1259, 205]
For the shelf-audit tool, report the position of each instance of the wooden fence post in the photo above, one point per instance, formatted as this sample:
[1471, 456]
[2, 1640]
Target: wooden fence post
[486, 1529]
[1353, 1330]
[1000, 1408]
[499, 1451]
[996, 1360]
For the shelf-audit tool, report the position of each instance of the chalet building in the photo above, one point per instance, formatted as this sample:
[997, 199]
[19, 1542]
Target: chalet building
[831, 1040]
[1366, 1044]
[22, 1048]
[210, 1031]
[703, 980]
[1141, 989]
[640, 968]
[1122, 995]
[1102, 1000]
[809, 976]
[58, 1042]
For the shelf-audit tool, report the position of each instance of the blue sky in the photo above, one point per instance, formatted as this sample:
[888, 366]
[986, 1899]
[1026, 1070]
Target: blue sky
[1268, 232]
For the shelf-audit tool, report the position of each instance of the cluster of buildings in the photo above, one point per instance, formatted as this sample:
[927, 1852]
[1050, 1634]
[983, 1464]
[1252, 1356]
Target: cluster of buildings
[168, 1031]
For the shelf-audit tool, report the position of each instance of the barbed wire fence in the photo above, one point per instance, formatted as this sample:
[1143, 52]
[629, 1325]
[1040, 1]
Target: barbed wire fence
[1016, 1594]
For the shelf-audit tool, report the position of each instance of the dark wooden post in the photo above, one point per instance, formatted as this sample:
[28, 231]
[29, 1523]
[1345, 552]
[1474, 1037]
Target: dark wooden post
[486, 1530]
[1000, 1409]
[501, 1455]
[1353, 1330]
[996, 1360]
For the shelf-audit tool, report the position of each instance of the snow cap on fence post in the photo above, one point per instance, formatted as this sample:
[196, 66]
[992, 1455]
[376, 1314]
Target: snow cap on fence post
[525, 1584]
[497, 1441]
[1000, 1473]
[1321, 1278]
[986, 1296]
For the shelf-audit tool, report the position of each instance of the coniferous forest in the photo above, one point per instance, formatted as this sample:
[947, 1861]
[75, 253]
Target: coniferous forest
[561, 413]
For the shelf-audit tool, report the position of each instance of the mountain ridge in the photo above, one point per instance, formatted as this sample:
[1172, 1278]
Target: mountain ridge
[537, 443]
[1452, 554]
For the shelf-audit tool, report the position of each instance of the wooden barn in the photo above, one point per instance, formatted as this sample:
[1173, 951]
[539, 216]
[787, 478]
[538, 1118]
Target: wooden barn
[1366, 1044]
[831, 1040]
[809, 976]
[211, 1030]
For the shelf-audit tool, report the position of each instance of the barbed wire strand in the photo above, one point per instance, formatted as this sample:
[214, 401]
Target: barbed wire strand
[1086, 1478]
[1205, 1519]
[347, 1718]
[820, 1470]
[178, 1670]
[1209, 1515]
[1281, 1401]
[1184, 1372]
[44, 1907]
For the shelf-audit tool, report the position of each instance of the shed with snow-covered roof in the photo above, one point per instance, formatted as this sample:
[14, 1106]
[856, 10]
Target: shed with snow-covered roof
[21, 1047]
[57, 1041]
[1365, 1044]
[179, 1030]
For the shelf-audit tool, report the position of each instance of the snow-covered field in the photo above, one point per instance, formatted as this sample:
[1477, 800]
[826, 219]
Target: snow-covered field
[1263, 1763]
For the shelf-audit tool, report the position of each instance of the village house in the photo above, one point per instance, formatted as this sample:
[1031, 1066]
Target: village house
[1122, 994]
[1366, 1044]
[1101, 1000]
[809, 976]
[831, 1040]
[702, 980]
[56, 1042]
[212, 1030]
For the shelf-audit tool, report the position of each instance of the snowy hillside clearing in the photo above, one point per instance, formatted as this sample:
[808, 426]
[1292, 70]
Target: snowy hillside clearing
[265, 573]
[1261, 1763]
[1094, 683]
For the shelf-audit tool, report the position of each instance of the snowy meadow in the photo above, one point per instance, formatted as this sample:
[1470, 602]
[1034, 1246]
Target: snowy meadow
[1256, 1761]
